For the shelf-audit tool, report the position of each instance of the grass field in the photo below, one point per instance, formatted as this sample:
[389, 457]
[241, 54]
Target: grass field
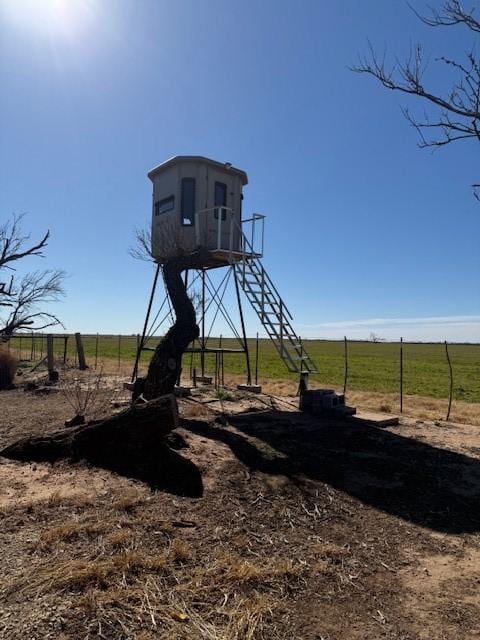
[371, 366]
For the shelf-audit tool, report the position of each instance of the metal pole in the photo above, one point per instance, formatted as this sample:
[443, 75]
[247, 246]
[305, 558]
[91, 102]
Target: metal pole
[242, 322]
[451, 381]
[202, 353]
[346, 365]
[191, 360]
[119, 349]
[223, 371]
[401, 375]
[145, 325]
[220, 362]
[96, 351]
[256, 360]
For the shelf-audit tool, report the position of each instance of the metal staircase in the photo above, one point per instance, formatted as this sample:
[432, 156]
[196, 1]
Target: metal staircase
[271, 310]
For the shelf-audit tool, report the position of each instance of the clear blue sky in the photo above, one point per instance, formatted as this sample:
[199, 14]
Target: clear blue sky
[365, 232]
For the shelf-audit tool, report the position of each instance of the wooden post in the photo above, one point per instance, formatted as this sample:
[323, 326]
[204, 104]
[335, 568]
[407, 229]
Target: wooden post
[65, 342]
[32, 348]
[346, 365]
[82, 365]
[52, 374]
[401, 375]
[451, 381]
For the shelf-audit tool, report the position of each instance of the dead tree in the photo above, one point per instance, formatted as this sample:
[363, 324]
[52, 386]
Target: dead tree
[451, 115]
[23, 298]
[166, 363]
[135, 436]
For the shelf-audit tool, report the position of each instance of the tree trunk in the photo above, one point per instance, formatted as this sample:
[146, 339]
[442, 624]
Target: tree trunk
[166, 362]
[132, 437]
[133, 441]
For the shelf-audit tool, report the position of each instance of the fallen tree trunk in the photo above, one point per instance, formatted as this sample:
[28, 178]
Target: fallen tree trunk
[134, 436]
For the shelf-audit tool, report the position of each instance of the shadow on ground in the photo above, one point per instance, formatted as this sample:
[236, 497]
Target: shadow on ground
[161, 467]
[418, 482]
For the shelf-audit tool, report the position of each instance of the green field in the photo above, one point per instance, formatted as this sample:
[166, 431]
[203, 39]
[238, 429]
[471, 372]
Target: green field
[372, 366]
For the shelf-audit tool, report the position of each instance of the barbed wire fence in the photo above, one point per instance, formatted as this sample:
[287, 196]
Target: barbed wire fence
[120, 351]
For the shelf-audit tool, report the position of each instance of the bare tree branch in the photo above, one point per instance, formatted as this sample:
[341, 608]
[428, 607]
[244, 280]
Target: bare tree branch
[39, 287]
[455, 113]
[13, 242]
[451, 14]
[23, 298]
[142, 250]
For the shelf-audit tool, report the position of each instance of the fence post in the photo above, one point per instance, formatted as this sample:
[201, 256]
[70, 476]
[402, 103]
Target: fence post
[119, 349]
[401, 375]
[82, 365]
[52, 374]
[346, 365]
[256, 360]
[65, 342]
[451, 381]
[96, 351]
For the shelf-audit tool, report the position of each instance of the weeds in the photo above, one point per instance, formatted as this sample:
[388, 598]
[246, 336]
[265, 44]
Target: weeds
[89, 395]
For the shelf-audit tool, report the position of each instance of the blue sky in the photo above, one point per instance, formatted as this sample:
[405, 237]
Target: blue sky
[364, 231]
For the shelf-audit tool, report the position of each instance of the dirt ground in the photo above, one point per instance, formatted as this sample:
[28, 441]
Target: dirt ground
[282, 526]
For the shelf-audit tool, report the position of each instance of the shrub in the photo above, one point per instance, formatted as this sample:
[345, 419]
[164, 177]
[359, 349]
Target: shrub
[8, 368]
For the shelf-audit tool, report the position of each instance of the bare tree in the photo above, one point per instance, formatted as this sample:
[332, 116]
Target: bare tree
[450, 115]
[142, 249]
[22, 298]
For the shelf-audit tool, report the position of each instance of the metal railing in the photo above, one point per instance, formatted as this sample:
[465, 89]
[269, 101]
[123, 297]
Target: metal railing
[246, 237]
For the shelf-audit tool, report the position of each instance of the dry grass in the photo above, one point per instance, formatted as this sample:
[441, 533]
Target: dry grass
[69, 532]
[127, 503]
[180, 551]
[78, 574]
[119, 538]
[232, 569]
[160, 590]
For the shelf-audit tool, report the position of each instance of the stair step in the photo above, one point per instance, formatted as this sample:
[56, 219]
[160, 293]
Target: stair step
[273, 314]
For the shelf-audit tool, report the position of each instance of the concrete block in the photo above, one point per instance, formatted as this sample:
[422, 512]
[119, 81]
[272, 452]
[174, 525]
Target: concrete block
[252, 388]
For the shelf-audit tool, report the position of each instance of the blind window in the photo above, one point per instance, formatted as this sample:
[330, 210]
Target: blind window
[162, 206]
[188, 201]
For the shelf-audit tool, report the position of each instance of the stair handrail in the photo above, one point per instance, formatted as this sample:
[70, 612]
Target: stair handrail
[253, 254]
